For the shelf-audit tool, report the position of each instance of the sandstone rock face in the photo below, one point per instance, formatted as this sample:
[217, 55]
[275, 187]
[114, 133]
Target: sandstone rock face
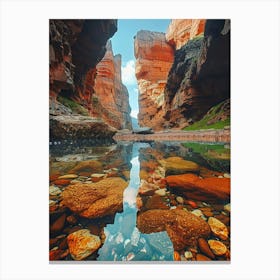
[208, 189]
[94, 200]
[199, 77]
[181, 30]
[76, 46]
[110, 95]
[154, 58]
[82, 243]
[183, 227]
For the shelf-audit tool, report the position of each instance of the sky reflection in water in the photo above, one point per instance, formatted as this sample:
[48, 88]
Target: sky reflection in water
[124, 242]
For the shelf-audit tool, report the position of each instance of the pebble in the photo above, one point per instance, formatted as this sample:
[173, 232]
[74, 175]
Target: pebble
[58, 224]
[130, 256]
[188, 255]
[72, 220]
[54, 190]
[176, 256]
[218, 228]
[217, 247]
[68, 176]
[220, 177]
[206, 204]
[173, 207]
[62, 182]
[192, 203]
[75, 181]
[200, 257]
[180, 199]
[97, 175]
[204, 248]
[161, 192]
[227, 207]
[52, 202]
[197, 212]
[226, 175]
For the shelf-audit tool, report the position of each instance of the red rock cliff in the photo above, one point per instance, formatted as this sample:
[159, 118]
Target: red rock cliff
[154, 58]
[75, 48]
[181, 30]
[199, 77]
[110, 96]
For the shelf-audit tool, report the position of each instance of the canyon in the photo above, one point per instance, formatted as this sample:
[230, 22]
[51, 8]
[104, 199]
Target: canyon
[181, 74]
[87, 97]
[195, 78]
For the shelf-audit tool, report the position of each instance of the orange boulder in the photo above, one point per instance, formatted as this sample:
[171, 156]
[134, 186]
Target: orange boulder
[193, 187]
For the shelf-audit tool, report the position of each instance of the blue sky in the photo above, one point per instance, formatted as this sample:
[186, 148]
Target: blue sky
[123, 43]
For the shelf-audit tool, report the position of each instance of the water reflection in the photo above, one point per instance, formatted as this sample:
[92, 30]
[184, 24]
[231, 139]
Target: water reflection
[124, 242]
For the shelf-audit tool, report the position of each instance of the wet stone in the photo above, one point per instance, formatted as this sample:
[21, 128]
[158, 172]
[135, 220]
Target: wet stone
[217, 247]
[53, 190]
[180, 199]
[218, 228]
[161, 192]
[204, 248]
[68, 176]
[188, 255]
[200, 257]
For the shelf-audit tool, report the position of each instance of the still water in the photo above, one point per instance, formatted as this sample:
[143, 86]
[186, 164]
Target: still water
[144, 169]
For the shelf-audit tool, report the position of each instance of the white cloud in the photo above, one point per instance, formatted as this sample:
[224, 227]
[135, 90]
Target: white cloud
[134, 113]
[128, 73]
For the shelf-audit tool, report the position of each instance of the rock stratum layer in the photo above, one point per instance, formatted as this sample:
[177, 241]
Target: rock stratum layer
[110, 95]
[181, 30]
[76, 47]
[154, 58]
[175, 96]
[200, 75]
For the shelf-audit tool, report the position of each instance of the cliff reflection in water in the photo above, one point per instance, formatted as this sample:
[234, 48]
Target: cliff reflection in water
[124, 242]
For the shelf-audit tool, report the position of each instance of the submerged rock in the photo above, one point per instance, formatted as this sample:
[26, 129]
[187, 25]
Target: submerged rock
[89, 166]
[54, 190]
[93, 200]
[68, 176]
[82, 243]
[182, 227]
[217, 247]
[204, 248]
[218, 228]
[177, 165]
[208, 189]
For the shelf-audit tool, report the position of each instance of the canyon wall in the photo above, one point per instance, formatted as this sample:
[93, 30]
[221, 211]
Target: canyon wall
[75, 48]
[154, 58]
[180, 31]
[183, 73]
[199, 77]
[110, 95]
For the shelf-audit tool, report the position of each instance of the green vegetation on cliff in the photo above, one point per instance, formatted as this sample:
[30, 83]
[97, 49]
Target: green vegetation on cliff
[75, 107]
[217, 118]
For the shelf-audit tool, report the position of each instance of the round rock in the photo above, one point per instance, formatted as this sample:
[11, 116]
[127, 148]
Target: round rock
[82, 243]
[218, 228]
[53, 190]
[217, 247]
[180, 199]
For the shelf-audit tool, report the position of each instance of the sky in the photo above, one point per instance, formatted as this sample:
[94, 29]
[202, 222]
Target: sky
[123, 43]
